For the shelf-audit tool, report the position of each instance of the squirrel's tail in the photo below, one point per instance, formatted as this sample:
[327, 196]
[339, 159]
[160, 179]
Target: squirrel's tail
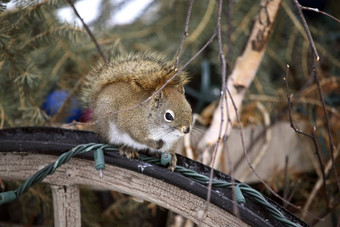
[144, 71]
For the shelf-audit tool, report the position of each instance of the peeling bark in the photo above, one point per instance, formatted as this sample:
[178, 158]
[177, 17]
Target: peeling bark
[244, 72]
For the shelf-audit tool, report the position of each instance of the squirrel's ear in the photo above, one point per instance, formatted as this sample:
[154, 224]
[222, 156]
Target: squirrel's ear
[180, 89]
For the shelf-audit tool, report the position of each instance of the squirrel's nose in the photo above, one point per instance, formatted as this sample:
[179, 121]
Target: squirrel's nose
[186, 129]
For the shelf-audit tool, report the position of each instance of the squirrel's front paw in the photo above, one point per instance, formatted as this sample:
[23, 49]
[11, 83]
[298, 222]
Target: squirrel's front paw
[173, 162]
[128, 152]
[155, 144]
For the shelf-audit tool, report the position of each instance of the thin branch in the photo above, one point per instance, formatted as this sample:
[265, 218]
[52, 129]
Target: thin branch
[331, 144]
[223, 67]
[88, 31]
[259, 45]
[264, 147]
[207, 203]
[226, 68]
[229, 14]
[319, 11]
[169, 80]
[185, 34]
[244, 70]
[317, 80]
[293, 192]
[326, 212]
[254, 141]
[231, 168]
[289, 97]
[247, 158]
[305, 26]
[203, 23]
[311, 136]
[314, 192]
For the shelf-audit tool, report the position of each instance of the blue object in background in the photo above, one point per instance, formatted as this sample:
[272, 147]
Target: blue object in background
[56, 99]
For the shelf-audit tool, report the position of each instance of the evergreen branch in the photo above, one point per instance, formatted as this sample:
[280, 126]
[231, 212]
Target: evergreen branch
[28, 12]
[26, 79]
[88, 31]
[43, 37]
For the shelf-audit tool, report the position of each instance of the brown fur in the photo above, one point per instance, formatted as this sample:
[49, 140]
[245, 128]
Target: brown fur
[144, 71]
[126, 82]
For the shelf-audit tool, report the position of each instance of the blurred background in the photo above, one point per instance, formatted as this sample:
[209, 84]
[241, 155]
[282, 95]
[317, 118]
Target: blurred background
[45, 53]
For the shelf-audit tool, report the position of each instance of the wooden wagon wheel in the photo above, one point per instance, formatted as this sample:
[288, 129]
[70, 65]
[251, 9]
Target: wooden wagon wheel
[23, 151]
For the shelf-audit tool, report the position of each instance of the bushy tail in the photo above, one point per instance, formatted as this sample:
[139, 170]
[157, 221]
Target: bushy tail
[144, 71]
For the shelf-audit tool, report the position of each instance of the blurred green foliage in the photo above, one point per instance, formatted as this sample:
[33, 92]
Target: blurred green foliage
[40, 53]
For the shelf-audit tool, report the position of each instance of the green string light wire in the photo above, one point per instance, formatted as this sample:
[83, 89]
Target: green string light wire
[257, 196]
[202, 179]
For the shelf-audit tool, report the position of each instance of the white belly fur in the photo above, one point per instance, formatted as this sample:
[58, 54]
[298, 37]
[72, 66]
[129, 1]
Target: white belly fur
[119, 138]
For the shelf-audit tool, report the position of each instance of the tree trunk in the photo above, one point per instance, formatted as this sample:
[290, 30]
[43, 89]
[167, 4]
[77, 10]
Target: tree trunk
[244, 72]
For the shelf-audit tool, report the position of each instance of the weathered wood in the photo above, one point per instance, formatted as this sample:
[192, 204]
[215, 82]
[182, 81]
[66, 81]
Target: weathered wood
[66, 205]
[15, 166]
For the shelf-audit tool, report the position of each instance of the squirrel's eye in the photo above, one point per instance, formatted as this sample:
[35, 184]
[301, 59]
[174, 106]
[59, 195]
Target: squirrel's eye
[169, 116]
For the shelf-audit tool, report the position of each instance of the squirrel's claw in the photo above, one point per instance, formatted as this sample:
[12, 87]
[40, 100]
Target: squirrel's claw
[128, 152]
[173, 162]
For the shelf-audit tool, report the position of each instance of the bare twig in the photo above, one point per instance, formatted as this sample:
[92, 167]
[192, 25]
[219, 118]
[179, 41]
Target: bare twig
[253, 143]
[309, 35]
[223, 67]
[259, 156]
[315, 190]
[247, 158]
[231, 169]
[325, 213]
[203, 23]
[255, 46]
[185, 34]
[244, 70]
[88, 31]
[319, 11]
[317, 80]
[229, 33]
[311, 136]
[289, 97]
[292, 192]
[169, 80]
[205, 211]
[331, 145]
[227, 64]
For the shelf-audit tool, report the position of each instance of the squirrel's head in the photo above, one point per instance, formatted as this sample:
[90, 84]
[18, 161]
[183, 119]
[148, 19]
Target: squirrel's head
[173, 115]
